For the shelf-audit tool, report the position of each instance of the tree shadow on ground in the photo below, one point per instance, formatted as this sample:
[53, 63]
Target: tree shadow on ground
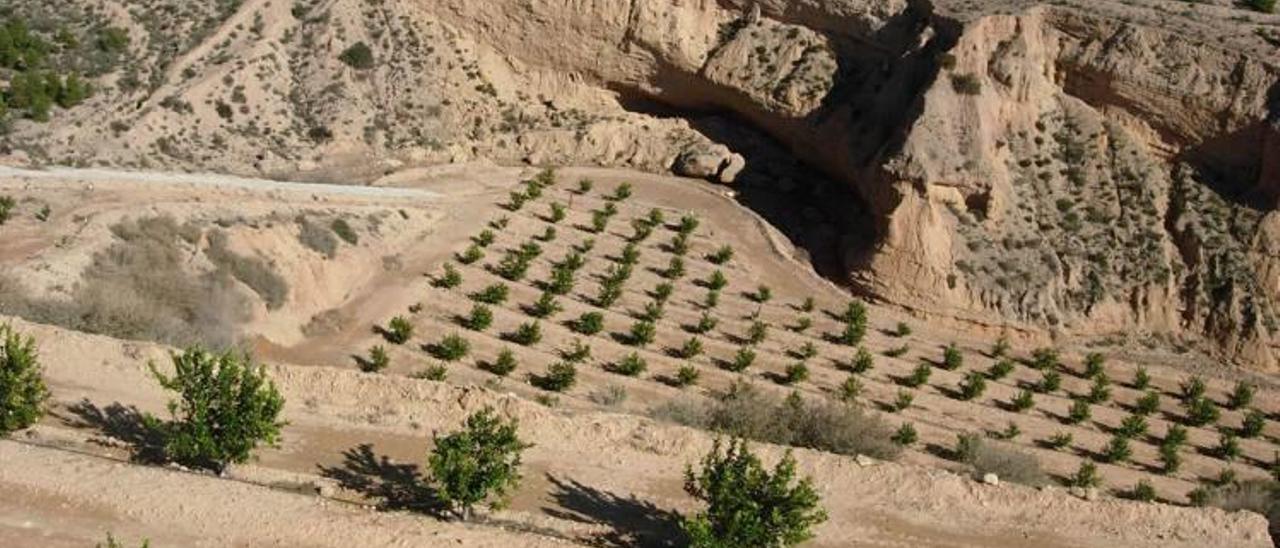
[634, 522]
[126, 424]
[395, 486]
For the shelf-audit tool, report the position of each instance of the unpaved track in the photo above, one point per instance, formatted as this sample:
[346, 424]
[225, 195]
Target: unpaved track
[107, 176]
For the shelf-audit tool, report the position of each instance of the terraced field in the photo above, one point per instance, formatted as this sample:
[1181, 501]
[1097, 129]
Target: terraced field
[690, 320]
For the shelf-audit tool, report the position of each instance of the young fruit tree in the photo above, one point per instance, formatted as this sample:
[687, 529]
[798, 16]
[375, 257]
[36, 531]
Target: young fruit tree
[479, 463]
[748, 505]
[22, 390]
[226, 408]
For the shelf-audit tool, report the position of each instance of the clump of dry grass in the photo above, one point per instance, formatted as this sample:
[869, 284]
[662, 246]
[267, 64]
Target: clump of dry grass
[746, 411]
[1000, 459]
[139, 288]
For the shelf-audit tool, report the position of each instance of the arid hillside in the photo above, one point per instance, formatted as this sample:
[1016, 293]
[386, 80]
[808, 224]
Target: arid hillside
[1103, 171]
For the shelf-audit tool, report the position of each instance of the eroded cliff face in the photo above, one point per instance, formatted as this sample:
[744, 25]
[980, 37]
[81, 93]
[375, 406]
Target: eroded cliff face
[1053, 166]
[1048, 166]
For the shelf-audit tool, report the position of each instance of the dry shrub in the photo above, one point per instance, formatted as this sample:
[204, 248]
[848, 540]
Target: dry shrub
[1254, 495]
[317, 238]
[251, 271]
[137, 288]
[1000, 459]
[748, 412]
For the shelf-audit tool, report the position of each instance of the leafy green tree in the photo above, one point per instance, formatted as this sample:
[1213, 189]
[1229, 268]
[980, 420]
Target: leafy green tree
[7, 203]
[742, 360]
[494, 294]
[578, 352]
[1147, 404]
[22, 389]
[1050, 382]
[1117, 450]
[687, 375]
[691, 348]
[449, 279]
[1241, 396]
[863, 361]
[479, 463]
[757, 332]
[1141, 379]
[1044, 358]
[226, 407]
[919, 376]
[747, 505]
[527, 334]
[1253, 423]
[1079, 411]
[796, 372]
[546, 306]
[1000, 369]
[1086, 476]
[1201, 411]
[642, 333]
[1023, 401]
[1094, 364]
[721, 255]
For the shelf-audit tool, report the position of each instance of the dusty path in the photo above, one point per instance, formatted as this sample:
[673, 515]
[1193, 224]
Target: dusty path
[172, 179]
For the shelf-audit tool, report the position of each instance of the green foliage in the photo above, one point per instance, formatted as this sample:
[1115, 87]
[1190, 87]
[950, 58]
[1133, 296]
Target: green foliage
[1023, 401]
[480, 318]
[471, 255]
[478, 463]
[504, 364]
[1079, 412]
[863, 361]
[1000, 369]
[1228, 448]
[1044, 358]
[717, 281]
[1060, 440]
[902, 330]
[113, 543]
[589, 323]
[485, 238]
[1132, 426]
[1117, 450]
[1001, 347]
[706, 322]
[494, 294]
[399, 330]
[974, 384]
[560, 377]
[906, 435]
[712, 299]
[796, 372]
[527, 334]
[1192, 389]
[1141, 379]
[452, 348]
[642, 333]
[344, 230]
[687, 375]
[746, 505]
[1241, 396]
[546, 306]
[688, 224]
[850, 389]
[577, 353]
[918, 376]
[952, 359]
[742, 360]
[22, 389]
[1201, 411]
[902, 401]
[585, 185]
[357, 56]
[1170, 459]
[437, 372]
[226, 407]
[621, 192]
[7, 203]
[378, 360]
[449, 279]
[1100, 390]
[722, 255]
[691, 348]
[1050, 382]
[803, 323]
[1086, 476]
[1253, 423]
[630, 365]
[757, 333]
[1094, 364]
[675, 269]
[558, 212]
[1143, 491]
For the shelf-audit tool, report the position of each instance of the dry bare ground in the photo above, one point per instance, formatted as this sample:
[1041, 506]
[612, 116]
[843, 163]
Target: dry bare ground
[349, 468]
